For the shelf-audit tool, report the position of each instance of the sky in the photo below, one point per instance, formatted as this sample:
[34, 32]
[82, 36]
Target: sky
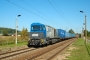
[60, 14]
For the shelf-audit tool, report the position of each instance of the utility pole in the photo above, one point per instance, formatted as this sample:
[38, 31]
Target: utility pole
[82, 31]
[16, 32]
[16, 29]
[85, 28]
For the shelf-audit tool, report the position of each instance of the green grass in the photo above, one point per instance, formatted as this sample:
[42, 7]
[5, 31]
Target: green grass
[82, 51]
[13, 45]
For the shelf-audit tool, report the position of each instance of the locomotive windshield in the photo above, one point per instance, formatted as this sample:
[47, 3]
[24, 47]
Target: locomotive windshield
[36, 27]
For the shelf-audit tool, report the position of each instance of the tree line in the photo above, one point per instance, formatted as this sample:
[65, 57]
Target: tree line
[9, 31]
[6, 31]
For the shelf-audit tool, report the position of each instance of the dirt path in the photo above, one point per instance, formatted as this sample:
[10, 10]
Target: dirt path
[65, 54]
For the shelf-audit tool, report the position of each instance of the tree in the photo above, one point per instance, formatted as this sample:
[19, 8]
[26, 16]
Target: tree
[5, 33]
[24, 33]
[71, 31]
[84, 33]
[9, 30]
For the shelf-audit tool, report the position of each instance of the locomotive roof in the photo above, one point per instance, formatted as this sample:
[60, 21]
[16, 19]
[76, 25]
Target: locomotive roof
[37, 24]
[41, 24]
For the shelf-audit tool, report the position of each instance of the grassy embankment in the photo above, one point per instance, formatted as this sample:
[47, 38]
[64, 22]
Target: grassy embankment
[82, 51]
[9, 41]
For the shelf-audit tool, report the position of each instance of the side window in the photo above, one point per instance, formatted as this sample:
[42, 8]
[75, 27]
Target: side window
[32, 28]
[43, 27]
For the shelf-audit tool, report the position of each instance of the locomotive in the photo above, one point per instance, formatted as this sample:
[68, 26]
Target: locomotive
[41, 34]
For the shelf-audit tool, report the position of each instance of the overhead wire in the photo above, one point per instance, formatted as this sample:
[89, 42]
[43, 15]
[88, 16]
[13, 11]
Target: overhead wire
[25, 9]
[30, 11]
[58, 12]
[61, 11]
[39, 12]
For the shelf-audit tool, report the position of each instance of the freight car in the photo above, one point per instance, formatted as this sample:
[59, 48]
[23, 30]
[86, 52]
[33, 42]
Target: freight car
[41, 34]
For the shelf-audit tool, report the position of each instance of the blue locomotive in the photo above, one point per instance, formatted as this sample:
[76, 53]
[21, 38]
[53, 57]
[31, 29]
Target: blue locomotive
[41, 34]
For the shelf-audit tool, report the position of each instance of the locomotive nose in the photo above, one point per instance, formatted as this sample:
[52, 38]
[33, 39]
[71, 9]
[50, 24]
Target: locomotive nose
[37, 35]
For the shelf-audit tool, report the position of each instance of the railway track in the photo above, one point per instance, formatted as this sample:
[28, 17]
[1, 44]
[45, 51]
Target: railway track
[51, 52]
[10, 54]
[59, 50]
[46, 53]
[12, 51]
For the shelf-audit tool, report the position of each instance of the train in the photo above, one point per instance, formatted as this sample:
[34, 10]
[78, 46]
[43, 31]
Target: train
[41, 34]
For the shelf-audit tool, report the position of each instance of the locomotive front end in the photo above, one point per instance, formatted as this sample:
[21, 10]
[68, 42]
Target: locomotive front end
[37, 34]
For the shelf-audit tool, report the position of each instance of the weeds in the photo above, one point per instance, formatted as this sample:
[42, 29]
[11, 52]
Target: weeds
[6, 40]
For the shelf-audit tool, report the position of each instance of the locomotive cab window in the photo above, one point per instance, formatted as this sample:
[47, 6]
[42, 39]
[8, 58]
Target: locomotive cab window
[35, 27]
[41, 28]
